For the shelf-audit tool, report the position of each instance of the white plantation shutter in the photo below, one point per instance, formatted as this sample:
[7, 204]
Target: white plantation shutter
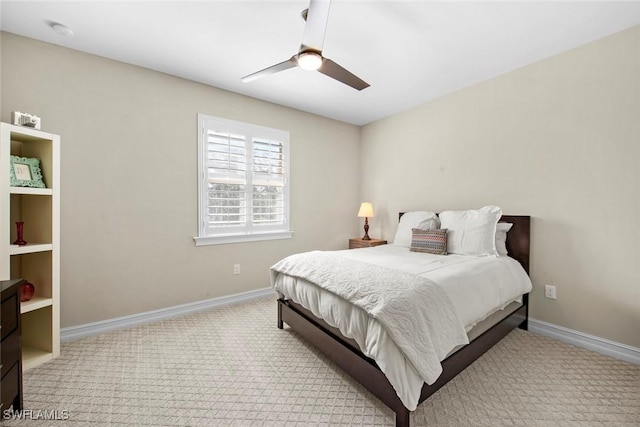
[244, 183]
[268, 182]
[227, 177]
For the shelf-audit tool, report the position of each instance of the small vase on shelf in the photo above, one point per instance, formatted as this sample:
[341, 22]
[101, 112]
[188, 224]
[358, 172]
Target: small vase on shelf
[19, 229]
[26, 291]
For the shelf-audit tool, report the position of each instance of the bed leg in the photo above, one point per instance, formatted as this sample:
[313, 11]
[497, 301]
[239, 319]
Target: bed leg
[525, 323]
[402, 418]
[280, 323]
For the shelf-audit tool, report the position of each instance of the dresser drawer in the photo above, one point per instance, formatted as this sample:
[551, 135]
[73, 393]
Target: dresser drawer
[10, 386]
[9, 313]
[10, 351]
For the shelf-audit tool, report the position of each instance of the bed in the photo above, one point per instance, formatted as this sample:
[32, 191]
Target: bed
[355, 355]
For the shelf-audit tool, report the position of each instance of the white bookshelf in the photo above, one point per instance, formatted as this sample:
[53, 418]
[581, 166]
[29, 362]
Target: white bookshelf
[39, 260]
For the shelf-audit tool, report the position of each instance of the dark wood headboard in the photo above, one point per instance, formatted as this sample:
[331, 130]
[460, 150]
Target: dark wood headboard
[518, 238]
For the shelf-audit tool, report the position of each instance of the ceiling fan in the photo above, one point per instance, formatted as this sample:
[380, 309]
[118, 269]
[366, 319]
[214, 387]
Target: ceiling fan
[309, 57]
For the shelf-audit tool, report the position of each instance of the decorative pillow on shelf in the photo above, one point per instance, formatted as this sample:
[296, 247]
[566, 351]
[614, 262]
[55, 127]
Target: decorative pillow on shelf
[501, 237]
[410, 220]
[430, 241]
[471, 232]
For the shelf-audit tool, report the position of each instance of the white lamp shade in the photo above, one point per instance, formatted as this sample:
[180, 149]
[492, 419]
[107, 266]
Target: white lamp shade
[366, 210]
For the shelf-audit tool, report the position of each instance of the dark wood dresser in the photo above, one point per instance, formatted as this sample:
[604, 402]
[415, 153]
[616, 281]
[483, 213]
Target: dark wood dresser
[11, 349]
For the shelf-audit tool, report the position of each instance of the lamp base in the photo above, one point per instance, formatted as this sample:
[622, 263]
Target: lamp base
[366, 229]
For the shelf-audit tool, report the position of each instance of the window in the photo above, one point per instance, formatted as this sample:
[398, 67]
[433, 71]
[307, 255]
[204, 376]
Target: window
[243, 182]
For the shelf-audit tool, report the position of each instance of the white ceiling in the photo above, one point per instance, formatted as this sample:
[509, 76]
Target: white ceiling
[409, 51]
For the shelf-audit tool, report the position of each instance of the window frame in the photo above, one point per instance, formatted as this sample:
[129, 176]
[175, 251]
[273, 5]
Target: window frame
[248, 232]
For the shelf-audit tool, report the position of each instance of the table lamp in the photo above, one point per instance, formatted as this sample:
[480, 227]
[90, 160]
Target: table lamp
[366, 212]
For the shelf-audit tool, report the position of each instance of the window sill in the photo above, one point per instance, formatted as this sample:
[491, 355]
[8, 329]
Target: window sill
[242, 238]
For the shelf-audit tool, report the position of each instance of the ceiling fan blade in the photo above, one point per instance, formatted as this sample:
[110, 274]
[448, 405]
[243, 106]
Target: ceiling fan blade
[285, 65]
[335, 71]
[314, 31]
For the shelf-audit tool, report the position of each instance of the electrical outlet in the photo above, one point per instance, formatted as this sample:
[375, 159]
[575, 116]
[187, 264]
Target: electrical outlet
[550, 291]
[236, 268]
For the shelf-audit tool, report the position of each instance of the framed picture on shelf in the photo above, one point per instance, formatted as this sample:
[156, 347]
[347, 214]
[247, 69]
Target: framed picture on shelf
[25, 172]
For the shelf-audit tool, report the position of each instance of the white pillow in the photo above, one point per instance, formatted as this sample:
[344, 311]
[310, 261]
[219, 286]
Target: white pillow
[471, 232]
[501, 237]
[417, 219]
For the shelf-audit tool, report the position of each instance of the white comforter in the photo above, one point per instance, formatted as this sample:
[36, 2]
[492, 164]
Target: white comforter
[475, 286]
[414, 311]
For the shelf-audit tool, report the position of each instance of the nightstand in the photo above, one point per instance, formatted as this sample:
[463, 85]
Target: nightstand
[359, 243]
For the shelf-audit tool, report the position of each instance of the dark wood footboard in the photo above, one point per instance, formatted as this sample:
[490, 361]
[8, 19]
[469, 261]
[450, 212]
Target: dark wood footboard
[345, 353]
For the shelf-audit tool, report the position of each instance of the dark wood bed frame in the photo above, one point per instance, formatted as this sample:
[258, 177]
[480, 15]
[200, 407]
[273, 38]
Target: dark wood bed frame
[346, 353]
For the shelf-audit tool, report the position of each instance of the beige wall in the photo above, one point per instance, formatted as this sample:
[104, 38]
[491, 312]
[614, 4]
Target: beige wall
[558, 140]
[129, 159]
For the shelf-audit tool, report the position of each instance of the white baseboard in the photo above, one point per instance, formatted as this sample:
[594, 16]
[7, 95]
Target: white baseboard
[81, 331]
[590, 342]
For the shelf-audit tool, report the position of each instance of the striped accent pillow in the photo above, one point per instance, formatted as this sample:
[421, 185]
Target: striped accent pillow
[430, 241]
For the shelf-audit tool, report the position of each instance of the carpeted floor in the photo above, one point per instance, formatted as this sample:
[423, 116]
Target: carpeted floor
[232, 367]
